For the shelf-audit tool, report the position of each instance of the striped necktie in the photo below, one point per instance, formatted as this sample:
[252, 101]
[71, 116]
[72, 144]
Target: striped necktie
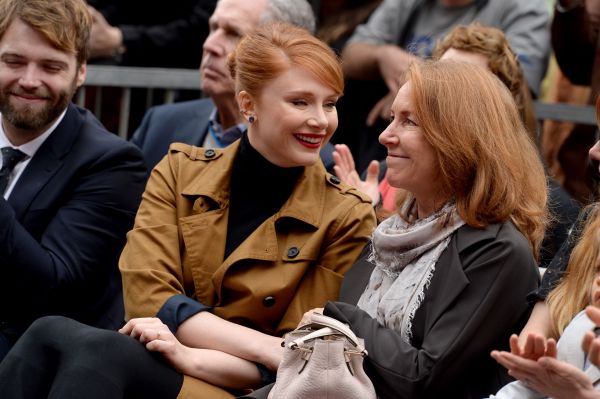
[10, 158]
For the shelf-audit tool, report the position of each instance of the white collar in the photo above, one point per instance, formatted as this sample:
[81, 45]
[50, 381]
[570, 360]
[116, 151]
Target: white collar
[31, 147]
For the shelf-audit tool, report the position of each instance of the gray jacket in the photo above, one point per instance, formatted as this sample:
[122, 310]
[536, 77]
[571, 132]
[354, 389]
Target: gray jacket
[525, 23]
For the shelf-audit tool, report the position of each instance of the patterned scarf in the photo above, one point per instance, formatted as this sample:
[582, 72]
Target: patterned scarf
[404, 254]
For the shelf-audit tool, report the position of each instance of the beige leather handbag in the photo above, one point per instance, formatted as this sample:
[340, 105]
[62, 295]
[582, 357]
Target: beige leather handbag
[323, 359]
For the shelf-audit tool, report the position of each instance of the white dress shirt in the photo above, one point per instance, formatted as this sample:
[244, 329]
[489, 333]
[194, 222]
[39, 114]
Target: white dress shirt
[29, 148]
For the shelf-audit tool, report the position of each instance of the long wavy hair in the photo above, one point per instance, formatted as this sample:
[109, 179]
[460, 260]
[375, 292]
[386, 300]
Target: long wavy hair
[573, 292]
[272, 48]
[487, 161]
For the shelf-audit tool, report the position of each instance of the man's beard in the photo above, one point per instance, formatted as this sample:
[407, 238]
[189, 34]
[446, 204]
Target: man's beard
[28, 118]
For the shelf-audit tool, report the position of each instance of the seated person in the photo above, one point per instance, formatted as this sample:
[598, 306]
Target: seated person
[487, 47]
[579, 288]
[69, 189]
[229, 249]
[447, 277]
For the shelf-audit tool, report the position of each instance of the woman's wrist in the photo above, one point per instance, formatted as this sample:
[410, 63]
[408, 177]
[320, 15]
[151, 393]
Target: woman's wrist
[268, 352]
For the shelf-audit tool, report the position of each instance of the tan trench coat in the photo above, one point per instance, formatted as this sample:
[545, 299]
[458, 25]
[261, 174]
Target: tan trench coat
[297, 257]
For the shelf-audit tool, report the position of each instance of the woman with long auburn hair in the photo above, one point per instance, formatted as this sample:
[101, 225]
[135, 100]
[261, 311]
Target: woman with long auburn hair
[487, 47]
[489, 165]
[445, 279]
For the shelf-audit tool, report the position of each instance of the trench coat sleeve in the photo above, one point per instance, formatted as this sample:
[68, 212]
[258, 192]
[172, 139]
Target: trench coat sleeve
[497, 274]
[574, 44]
[351, 234]
[151, 265]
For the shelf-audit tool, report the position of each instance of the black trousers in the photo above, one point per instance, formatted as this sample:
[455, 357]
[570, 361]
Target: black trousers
[60, 358]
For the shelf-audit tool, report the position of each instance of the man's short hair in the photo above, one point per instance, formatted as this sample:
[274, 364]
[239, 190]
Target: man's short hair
[295, 12]
[65, 24]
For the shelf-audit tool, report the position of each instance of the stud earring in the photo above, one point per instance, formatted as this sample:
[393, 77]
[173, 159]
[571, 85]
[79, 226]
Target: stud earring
[251, 119]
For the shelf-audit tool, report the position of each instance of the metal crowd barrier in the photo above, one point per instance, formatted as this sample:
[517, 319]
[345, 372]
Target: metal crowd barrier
[172, 80]
[169, 79]
[565, 112]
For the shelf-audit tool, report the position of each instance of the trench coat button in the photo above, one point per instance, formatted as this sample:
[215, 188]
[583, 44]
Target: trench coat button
[334, 180]
[269, 301]
[210, 153]
[293, 252]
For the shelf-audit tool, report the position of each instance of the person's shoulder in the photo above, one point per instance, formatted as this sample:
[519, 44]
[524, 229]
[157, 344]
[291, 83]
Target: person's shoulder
[193, 153]
[181, 108]
[504, 234]
[500, 245]
[336, 187]
[90, 152]
[94, 137]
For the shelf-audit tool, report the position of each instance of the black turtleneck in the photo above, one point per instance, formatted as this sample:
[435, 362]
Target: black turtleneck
[258, 190]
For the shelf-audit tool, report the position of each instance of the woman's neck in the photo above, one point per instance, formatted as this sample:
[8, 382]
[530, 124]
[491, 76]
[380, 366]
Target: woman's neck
[429, 205]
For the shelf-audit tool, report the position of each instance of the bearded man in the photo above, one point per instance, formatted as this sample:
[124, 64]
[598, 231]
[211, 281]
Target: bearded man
[69, 189]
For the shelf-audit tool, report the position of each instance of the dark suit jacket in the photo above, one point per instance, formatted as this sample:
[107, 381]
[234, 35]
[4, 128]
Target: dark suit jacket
[63, 227]
[476, 299]
[184, 122]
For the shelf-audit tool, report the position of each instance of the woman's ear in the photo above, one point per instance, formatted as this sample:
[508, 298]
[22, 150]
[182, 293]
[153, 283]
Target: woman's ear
[246, 104]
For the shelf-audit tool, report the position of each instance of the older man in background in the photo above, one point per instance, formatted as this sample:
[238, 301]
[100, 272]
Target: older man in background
[216, 122]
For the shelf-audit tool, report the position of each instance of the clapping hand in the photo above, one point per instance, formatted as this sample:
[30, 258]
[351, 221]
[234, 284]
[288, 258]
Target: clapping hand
[346, 170]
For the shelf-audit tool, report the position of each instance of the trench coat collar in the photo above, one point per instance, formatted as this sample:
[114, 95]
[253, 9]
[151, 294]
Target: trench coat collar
[306, 203]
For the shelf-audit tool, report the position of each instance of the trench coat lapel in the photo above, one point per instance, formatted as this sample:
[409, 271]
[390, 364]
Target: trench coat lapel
[305, 206]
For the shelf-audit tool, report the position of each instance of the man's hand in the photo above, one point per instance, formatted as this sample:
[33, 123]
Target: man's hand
[593, 9]
[382, 109]
[393, 62]
[105, 40]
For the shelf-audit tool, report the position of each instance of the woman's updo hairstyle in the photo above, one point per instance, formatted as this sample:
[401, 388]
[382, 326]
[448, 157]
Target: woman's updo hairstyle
[271, 49]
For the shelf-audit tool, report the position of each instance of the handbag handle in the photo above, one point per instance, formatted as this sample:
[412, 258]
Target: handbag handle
[331, 326]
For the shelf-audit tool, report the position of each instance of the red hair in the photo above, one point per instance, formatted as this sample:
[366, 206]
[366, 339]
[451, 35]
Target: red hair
[271, 49]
